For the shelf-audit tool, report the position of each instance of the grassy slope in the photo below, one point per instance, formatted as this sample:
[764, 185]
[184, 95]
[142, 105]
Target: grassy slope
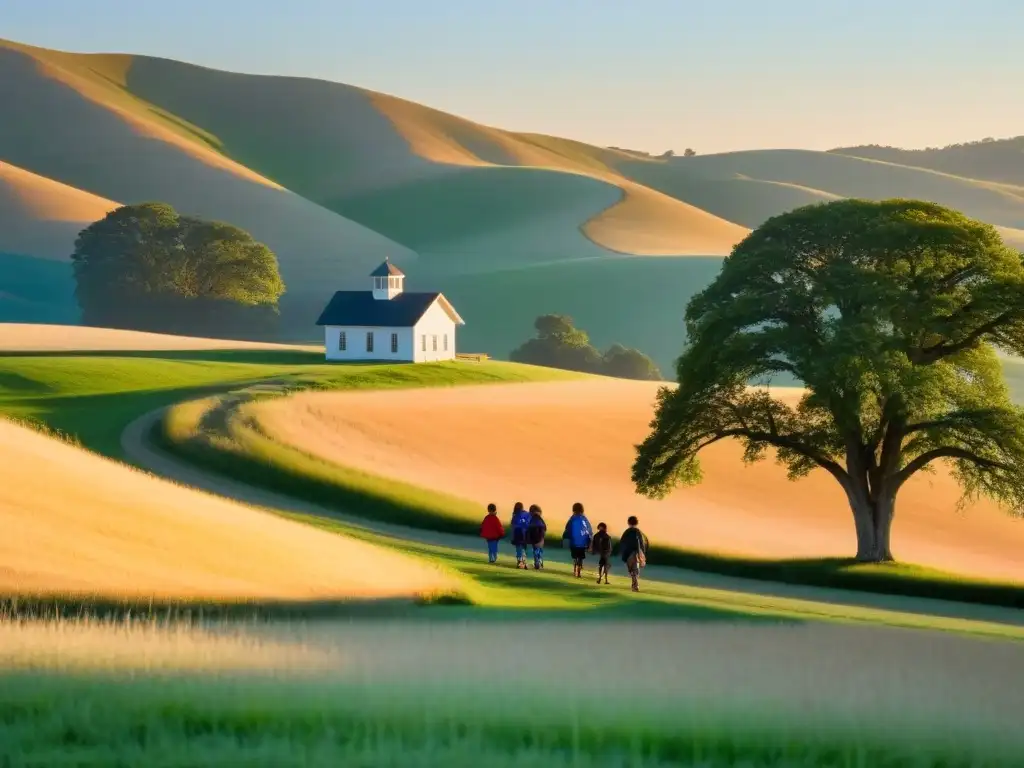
[236, 446]
[102, 120]
[377, 142]
[92, 397]
[42, 217]
[747, 187]
[82, 526]
[1001, 160]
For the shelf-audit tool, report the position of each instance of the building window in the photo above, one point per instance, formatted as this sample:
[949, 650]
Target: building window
[369, 340]
[423, 342]
[394, 343]
[342, 342]
[435, 342]
[446, 342]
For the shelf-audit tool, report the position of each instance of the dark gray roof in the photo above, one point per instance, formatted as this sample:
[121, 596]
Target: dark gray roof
[386, 269]
[360, 308]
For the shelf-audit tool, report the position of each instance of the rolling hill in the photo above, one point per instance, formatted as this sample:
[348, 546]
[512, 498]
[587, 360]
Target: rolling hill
[334, 178]
[79, 524]
[999, 160]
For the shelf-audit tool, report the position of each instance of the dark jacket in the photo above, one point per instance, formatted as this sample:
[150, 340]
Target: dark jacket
[602, 544]
[536, 531]
[632, 540]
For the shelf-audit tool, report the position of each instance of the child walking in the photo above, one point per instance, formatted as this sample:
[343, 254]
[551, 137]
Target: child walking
[520, 525]
[492, 531]
[602, 547]
[579, 533]
[535, 535]
[633, 549]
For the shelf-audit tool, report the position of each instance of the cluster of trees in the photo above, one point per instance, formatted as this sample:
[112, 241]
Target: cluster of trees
[147, 267]
[1011, 140]
[559, 344]
[672, 153]
[890, 313]
[688, 152]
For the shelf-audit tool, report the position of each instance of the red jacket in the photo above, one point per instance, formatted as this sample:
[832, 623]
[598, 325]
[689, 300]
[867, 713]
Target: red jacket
[491, 528]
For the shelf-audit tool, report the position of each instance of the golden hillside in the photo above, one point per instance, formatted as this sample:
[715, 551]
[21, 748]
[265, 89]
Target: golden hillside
[76, 523]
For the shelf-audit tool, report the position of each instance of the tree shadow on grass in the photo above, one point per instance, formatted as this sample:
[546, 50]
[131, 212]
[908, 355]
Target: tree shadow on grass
[15, 383]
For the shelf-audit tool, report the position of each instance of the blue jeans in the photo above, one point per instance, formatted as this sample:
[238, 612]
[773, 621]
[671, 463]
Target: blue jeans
[520, 552]
[492, 550]
[538, 556]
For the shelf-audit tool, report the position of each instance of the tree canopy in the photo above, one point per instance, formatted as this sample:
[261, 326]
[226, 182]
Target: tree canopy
[559, 344]
[148, 266]
[890, 313]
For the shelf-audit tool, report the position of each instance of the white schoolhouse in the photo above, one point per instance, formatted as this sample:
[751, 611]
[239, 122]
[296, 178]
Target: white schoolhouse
[388, 323]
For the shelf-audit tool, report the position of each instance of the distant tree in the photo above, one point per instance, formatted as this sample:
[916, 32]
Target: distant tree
[668, 153]
[888, 312]
[688, 152]
[627, 363]
[146, 266]
[559, 344]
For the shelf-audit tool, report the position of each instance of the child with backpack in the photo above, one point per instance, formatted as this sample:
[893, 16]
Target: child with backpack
[520, 525]
[578, 533]
[633, 547]
[535, 535]
[492, 531]
[602, 547]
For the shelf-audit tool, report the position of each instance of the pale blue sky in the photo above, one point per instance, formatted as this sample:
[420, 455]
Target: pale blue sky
[651, 74]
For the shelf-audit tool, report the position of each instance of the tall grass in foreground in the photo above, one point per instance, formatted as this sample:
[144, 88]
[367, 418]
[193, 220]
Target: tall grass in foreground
[404, 694]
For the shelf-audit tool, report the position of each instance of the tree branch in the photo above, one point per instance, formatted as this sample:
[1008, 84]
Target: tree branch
[940, 350]
[946, 452]
[786, 443]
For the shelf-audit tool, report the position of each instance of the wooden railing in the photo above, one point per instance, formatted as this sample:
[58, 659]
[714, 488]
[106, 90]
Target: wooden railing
[472, 357]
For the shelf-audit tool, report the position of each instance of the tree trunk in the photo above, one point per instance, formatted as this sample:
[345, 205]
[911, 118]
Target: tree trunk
[873, 522]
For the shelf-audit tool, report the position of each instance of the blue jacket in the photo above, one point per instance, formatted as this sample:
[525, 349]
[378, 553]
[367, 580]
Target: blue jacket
[520, 524]
[578, 531]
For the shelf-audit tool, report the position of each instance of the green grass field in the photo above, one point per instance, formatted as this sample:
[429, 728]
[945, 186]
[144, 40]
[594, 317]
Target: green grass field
[188, 720]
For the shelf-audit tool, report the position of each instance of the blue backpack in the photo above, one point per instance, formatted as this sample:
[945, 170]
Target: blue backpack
[520, 525]
[580, 532]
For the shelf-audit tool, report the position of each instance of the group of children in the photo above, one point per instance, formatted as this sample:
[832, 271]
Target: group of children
[528, 529]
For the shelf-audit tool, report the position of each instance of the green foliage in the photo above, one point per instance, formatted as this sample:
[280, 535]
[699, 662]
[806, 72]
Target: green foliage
[146, 266]
[559, 344]
[627, 363]
[888, 312]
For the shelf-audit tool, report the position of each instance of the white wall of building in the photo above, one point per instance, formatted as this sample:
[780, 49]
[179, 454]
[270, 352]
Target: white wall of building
[355, 343]
[435, 324]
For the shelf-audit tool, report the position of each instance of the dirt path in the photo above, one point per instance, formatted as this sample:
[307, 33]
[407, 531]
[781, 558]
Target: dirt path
[141, 451]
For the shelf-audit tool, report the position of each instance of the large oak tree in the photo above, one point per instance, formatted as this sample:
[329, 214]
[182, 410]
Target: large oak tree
[891, 314]
[147, 266]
